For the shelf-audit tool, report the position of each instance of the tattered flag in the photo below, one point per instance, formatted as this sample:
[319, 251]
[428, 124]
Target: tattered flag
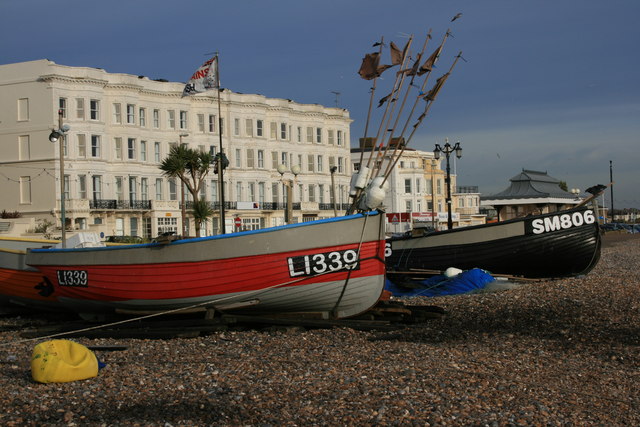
[204, 78]
[383, 100]
[370, 67]
[430, 62]
[433, 93]
[397, 56]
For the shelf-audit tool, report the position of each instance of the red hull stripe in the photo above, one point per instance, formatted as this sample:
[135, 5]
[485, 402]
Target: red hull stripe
[207, 278]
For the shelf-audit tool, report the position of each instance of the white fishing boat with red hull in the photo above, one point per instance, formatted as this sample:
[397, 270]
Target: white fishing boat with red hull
[334, 266]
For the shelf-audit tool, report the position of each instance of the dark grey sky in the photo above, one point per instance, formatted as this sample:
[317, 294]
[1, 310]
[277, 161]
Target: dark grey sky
[549, 85]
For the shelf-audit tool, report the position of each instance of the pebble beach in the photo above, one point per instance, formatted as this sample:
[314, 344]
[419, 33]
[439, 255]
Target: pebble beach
[549, 353]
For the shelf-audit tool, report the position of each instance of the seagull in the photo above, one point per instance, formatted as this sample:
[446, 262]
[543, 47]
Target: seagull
[458, 15]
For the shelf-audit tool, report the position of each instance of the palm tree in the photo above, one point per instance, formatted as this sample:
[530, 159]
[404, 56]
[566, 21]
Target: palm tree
[201, 212]
[191, 167]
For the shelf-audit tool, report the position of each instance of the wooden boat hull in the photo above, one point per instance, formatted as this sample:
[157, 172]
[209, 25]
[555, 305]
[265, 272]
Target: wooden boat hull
[294, 268]
[559, 244]
[21, 284]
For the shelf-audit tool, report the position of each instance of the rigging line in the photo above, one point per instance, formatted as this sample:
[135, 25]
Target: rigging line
[346, 281]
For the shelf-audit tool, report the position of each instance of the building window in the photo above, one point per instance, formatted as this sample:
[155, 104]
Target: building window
[310, 163]
[117, 113]
[94, 109]
[309, 134]
[261, 159]
[214, 190]
[321, 193]
[239, 192]
[201, 123]
[167, 225]
[236, 127]
[320, 164]
[248, 127]
[340, 165]
[238, 158]
[283, 131]
[173, 190]
[143, 117]
[407, 185]
[156, 152]
[250, 158]
[80, 108]
[171, 119]
[133, 188]
[261, 191]
[143, 151]
[95, 146]
[131, 149]
[62, 106]
[252, 191]
[312, 193]
[156, 119]
[284, 157]
[159, 192]
[82, 145]
[97, 187]
[339, 133]
[212, 123]
[131, 114]
[273, 126]
[418, 185]
[183, 119]
[299, 134]
[319, 135]
[118, 147]
[274, 160]
[408, 206]
[82, 186]
[259, 128]
[330, 137]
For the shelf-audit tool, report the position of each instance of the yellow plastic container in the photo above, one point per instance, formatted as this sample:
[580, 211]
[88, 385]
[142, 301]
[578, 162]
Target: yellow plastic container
[61, 361]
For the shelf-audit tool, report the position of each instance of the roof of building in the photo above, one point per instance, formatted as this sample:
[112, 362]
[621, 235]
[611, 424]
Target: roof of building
[530, 184]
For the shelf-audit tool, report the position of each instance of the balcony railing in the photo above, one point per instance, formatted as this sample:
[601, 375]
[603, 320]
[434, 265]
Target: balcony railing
[120, 204]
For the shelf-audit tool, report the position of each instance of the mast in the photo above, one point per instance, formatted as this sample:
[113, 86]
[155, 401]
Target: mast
[220, 157]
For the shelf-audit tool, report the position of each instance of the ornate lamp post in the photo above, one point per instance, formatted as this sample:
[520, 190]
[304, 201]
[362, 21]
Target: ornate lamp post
[447, 150]
[287, 189]
[58, 135]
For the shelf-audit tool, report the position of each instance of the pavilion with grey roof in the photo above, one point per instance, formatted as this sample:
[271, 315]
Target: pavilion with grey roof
[530, 193]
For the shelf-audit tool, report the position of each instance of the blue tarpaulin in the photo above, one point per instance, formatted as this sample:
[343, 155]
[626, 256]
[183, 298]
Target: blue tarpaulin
[434, 286]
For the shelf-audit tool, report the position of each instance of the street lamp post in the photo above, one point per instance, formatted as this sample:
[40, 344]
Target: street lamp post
[333, 189]
[58, 135]
[184, 208]
[288, 190]
[447, 150]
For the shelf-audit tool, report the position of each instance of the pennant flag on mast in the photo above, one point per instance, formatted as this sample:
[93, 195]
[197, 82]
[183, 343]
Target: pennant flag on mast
[397, 57]
[431, 96]
[370, 68]
[430, 62]
[204, 78]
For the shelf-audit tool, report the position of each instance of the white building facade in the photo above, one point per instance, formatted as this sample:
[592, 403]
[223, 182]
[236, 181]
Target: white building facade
[122, 126]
